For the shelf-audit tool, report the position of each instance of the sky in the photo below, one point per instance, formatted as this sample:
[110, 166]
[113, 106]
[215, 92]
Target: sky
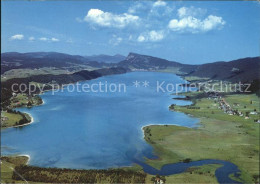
[188, 32]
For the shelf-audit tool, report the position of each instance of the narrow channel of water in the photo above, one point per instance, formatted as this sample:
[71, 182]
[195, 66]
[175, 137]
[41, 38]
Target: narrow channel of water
[222, 173]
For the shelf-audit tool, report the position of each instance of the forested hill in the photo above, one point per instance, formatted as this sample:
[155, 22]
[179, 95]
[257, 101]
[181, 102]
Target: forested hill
[36, 60]
[244, 70]
[6, 86]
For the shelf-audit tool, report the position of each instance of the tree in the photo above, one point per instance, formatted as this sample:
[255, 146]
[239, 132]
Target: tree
[29, 104]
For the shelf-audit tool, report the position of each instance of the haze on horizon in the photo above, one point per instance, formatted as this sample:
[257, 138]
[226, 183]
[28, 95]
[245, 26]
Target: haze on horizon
[187, 32]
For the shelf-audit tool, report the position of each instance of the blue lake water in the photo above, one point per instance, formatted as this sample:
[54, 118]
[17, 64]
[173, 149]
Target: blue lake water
[96, 130]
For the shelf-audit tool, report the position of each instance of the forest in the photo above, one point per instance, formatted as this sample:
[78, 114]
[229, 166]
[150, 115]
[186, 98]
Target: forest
[56, 175]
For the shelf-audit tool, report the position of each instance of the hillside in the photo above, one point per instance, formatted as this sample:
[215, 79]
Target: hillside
[106, 58]
[36, 60]
[6, 86]
[143, 62]
[244, 70]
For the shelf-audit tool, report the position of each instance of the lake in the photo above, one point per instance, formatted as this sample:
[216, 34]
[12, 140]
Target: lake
[97, 130]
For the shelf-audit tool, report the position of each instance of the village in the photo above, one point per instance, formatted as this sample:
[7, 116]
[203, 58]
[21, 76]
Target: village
[217, 103]
[227, 108]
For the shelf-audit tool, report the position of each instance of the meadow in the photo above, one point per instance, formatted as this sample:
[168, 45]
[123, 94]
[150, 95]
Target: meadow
[218, 136]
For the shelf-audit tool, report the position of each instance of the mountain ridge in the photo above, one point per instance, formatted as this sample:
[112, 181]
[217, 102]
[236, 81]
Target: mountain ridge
[106, 58]
[244, 69]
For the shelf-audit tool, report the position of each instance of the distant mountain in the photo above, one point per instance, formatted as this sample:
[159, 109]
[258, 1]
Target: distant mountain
[246, 69]
[15, 60]
[6, 86]
[143, 62]
[106, 58]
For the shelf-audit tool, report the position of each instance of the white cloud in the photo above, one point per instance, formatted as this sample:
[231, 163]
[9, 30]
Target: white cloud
[152, 36]
[159, 3]
[31, 38]
[212, 22]
[141, 38]
[115, 40]
[191, 11]
[190, 20]
[136, 8]
[49, 39]
[55, 40]
[156, 36]
[159, 8]
[182, 11]
[17, 37]
[151, 8]
[43, 39]
[195, 25]
[107, 19]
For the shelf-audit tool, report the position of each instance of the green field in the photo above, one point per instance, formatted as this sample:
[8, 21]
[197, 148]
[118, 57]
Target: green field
[7, 167]
[195, 78]
[219, 136]
[22, 99]
[25, 72]
[174, 70]
[12, 119]
[201, 174]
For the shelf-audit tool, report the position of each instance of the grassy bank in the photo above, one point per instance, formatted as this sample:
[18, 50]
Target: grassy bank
[220, 136]
[125, 175]
[7, 167]
[12, 118]
[201, 174]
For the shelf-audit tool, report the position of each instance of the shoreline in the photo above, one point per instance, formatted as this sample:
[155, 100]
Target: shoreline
[43, 102]
[30, 115]
[25, 155]
[32, 120]
[142, 127]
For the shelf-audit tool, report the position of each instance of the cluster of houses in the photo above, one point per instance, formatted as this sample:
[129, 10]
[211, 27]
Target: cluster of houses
[227, 108]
